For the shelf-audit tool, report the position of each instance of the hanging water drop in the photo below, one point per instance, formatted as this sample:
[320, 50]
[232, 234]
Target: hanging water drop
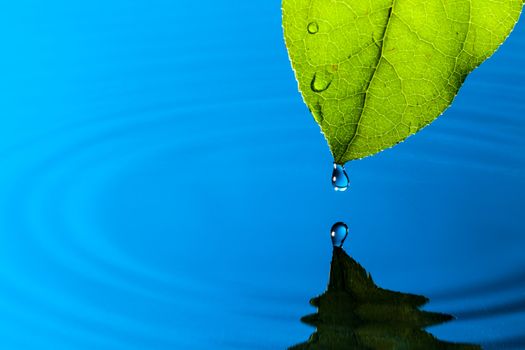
[340, 179]
[338, 234]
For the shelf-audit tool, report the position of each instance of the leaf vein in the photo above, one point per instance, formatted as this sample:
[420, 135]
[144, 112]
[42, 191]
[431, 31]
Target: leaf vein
[367, 93]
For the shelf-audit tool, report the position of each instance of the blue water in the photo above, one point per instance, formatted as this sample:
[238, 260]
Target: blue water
[163, 186]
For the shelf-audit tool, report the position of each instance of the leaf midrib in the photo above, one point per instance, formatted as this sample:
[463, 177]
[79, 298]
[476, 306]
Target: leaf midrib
[366, 93]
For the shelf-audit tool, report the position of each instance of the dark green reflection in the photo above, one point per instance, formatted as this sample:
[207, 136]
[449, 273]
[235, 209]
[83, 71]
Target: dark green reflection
[354, 313]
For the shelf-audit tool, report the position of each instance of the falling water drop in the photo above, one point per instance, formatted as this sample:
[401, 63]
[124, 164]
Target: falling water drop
[313, 27]
[338, 234]
[340, 178]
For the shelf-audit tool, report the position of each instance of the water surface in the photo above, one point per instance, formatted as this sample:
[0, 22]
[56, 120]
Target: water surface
[163, 186]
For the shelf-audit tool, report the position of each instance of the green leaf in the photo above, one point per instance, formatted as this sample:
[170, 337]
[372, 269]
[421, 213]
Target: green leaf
[374, 72]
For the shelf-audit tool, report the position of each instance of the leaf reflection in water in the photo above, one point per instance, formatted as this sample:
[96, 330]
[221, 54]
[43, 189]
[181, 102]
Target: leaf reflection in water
[354, 313]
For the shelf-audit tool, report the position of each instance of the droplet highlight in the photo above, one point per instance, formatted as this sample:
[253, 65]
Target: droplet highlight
[313, 27]
[321, 81]
[340, 179]
[338, 234]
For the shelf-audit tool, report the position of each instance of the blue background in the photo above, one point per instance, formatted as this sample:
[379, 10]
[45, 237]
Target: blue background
[163, 186]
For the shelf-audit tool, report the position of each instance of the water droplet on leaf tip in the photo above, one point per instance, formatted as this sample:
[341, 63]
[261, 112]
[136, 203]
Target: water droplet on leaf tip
[313, 27]
[340, 179]
[338, 233]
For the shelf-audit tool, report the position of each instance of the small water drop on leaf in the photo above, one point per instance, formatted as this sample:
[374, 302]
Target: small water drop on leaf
[321, 81]
[313, 27]
[338, 234]
[340, 179]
